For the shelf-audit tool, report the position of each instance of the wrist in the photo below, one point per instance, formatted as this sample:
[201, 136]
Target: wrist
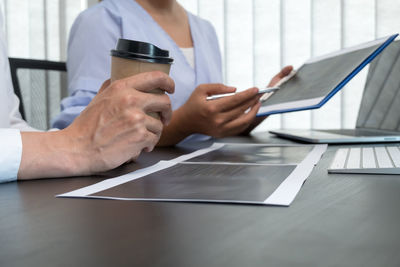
[48, 154]
[76, 152]
[177, 130]
[183, 123]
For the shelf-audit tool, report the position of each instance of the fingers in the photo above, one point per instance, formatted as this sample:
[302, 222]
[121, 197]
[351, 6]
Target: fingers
[283, 73]
[240, 124]
[134, 92]
[135, 119]
[115, 127]
[143, 129]
[239, 111]
[147, 145]
[158, 103]
[143, 133]
[148, 81]
[153, 125]
[129, 122]
[151, 141]
[105, 85]
[216, 88]
[139, 132]
[237, 100]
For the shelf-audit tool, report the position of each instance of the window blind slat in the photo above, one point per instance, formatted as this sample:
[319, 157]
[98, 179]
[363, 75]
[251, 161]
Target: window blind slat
[326, 38]
[387, 17]
[267, 49]
[359, 26]
[239, 44]
[296, 50]
[213, 11]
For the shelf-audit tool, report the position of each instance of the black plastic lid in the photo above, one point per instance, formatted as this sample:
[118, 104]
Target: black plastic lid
[141, 51]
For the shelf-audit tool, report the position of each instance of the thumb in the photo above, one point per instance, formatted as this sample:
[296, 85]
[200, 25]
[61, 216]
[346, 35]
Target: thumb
[286, 71]
[105, 85]
[283, 73]
[216, 88]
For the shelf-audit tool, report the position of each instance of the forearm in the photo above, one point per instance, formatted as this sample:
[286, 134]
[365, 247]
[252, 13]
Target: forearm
[48, 154]
[176, 130]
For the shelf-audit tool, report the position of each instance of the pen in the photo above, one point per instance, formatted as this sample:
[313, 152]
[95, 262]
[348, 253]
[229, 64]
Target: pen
[261, 91]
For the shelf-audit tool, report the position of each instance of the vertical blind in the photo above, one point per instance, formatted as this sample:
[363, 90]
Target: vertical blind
[257, 38]
[39, 29]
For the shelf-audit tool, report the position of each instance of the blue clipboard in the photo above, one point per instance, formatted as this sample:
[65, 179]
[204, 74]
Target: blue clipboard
[336, 67]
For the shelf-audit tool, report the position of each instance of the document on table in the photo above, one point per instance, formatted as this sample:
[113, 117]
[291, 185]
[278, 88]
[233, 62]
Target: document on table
[222, 173]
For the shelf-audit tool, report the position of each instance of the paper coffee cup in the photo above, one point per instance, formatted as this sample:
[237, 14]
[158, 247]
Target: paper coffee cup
[134, 57]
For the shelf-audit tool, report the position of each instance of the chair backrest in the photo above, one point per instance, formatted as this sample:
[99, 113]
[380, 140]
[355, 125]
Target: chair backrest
[380, 105]
[40, 86]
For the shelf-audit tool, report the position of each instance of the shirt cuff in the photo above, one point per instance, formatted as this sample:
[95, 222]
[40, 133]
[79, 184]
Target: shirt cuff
[10, 154]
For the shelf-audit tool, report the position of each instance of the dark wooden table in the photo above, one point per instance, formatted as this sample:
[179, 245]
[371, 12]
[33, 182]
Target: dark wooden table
[335, 220]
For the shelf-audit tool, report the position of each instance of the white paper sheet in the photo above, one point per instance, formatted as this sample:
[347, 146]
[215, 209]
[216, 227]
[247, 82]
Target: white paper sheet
[106, 184]
[287, 191]
[283, 195]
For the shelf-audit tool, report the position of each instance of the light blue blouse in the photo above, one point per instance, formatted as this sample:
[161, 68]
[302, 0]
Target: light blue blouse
[96, 31]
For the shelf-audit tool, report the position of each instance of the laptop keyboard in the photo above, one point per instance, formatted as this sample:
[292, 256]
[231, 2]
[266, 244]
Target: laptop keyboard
[368, 159]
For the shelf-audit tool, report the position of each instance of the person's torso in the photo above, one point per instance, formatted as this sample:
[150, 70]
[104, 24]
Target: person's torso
[137, 24]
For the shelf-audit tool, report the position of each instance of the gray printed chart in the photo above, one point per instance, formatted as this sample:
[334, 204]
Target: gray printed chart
[223, 173]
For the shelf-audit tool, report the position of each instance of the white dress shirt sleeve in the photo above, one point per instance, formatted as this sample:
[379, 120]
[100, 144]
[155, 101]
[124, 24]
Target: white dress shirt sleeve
[11, 122]
[10, 156]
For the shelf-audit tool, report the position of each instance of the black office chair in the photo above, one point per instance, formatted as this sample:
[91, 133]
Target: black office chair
[40, 86]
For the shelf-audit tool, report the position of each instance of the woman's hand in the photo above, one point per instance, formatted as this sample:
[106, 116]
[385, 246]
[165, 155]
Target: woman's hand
[257, 120]
[222, 117]
[282, 74]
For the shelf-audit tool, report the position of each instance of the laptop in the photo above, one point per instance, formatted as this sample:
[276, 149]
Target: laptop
[378, 119]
